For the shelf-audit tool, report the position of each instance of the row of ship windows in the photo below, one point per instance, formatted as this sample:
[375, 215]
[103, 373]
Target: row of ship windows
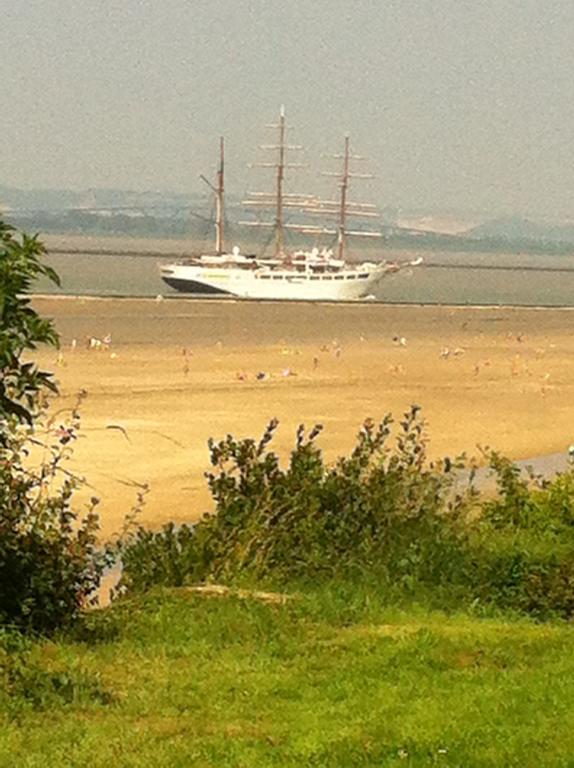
[316, 277]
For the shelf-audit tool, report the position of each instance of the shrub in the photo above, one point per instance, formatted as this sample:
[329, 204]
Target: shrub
[523, 579]
[166, 558]
[50, 560]
[384, 514]
[523, 545]
[378, 508]
[50, 563]
[21, 329]
[530, 504]
[382, 510]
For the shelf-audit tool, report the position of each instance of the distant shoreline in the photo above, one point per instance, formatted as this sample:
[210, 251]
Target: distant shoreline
[426, 265]
[234, 300]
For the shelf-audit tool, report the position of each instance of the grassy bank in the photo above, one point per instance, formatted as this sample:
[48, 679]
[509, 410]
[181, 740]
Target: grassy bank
[330, 678]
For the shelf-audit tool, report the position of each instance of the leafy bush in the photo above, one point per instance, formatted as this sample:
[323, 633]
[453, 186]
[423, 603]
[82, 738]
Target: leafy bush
[530, 504]
[523, 579]
[378, 508]
[523, 543]
[382, 510]
[50, 563]
[384, 515]
[21, 329]
[166, 558]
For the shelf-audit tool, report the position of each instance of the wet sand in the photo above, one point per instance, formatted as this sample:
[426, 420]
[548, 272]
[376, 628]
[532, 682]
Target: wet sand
[178, 372]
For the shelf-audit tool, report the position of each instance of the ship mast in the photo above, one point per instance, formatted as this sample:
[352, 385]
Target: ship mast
[343, 205]
[219, 191]
[219, 198]
[343, 209]
[279, 234]
[278, 200]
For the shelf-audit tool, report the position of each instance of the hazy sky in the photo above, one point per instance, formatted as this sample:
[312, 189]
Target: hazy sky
[462, 104]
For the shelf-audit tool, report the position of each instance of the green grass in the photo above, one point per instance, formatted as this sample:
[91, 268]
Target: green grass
[177, 679]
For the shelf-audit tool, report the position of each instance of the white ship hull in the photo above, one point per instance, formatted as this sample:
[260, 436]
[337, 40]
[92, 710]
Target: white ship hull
[284, 284]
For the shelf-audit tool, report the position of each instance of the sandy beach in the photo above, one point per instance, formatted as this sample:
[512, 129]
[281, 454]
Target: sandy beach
[178, 372]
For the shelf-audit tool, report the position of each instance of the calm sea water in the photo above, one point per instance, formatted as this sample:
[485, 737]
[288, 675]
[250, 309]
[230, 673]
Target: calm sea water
[120, 275]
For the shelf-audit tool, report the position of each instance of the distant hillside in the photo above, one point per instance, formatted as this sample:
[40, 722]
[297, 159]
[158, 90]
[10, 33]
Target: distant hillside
[168, 214]
[519, 229]
[23, 201]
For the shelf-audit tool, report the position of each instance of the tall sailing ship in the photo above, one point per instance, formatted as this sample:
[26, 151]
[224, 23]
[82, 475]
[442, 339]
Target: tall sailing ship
[312, 275]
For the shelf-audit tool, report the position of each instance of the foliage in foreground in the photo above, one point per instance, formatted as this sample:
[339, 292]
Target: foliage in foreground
[50, 563]
[50, 560]
[523, 543]
[383, 510]
[21, 329]
[384, 514]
